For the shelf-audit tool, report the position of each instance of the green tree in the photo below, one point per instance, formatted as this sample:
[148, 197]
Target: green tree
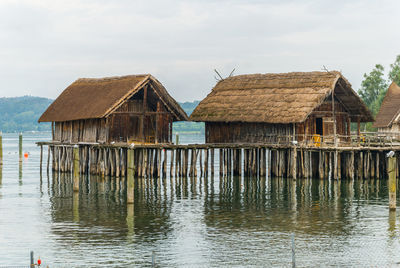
[394, 73]
[373, 88]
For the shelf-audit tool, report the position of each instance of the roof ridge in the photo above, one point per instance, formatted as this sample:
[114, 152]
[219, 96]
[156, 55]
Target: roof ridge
[109, 78]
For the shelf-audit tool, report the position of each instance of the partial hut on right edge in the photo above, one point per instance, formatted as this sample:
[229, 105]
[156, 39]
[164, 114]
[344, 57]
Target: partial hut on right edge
[388, 118]
[262, 108]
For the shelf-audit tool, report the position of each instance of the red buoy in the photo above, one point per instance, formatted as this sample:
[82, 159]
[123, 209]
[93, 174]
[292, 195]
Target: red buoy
[39, 261]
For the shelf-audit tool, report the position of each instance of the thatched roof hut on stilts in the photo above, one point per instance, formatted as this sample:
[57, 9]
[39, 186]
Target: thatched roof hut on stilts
[260, 108]
[125, 109]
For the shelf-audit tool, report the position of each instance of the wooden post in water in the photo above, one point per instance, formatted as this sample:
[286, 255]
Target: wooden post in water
[117, 163]
[32, 260]
[206, 163]
[221, 160]
[186, 162]
[177, 153]
[41, 158]
[48, 159]
[1, 148]
[294, 163]
[171, 166]
[212, 162]
[392, 179]
[164, 168]
[239, 162]
[76, 168]
[130, 184]
[262, 162]
[335, 165]
[20, 146]
[200, 163]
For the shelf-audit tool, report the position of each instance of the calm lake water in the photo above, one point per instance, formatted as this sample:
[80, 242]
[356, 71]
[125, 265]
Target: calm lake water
[211, 222]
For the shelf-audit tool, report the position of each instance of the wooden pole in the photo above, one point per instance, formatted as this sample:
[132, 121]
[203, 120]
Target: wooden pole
[130, 176]
[41, 158]
[186, 162]
[212, 162]
[269, 163]
[76, 168]
[262, 162]
[200, 163]
[117, 163]
[206, 162]
[143, 132]
[158, 162]
[321, 165]
[392, 180]
[164, 169]
[48, 159]
[20, 147]
[1, 148]
[221, 163]
[171, 166]
[192, 163]
[177, 166]
[239, 162]
[334, 117]
[294, 163]
[335, 165]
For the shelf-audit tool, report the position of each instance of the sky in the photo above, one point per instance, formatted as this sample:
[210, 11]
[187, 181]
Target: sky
[45, 45]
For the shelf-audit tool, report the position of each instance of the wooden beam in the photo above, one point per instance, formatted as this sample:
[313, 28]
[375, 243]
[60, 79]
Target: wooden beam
[334, 116]
[348, 125]
[163, 101]
[127, 96]
[157, 122]
[144, 113]
[141, 113]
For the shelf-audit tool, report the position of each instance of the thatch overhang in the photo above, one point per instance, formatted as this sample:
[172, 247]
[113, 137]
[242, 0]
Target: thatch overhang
[91, 98]
[278, 98]
[390, 108]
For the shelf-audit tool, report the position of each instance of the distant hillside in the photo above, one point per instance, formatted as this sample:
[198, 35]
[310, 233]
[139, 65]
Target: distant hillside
[188, 107]
[189, 127]
[19, 114]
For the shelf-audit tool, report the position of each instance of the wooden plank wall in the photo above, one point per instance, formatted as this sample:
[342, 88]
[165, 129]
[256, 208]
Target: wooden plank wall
[89, 130]
[245, 132]
[124, 125]
[324, 111]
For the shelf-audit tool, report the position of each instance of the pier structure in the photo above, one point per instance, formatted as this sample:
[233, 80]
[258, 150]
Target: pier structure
[360, 158]
[293, 125]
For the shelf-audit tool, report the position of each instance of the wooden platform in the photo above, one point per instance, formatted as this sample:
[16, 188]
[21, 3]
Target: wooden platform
[272, 160]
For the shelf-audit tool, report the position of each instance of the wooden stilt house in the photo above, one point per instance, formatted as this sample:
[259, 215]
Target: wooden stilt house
[388, 117]
[261, 108]
[134, 108]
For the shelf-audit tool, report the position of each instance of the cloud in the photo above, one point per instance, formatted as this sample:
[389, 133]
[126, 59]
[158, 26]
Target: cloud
[45, 45]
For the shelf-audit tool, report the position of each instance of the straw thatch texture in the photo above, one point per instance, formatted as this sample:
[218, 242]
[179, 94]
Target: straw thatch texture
[88, 98]
[276, 98]
[390, 107]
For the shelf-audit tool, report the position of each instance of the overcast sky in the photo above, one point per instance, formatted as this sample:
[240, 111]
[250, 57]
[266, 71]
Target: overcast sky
[47, 44]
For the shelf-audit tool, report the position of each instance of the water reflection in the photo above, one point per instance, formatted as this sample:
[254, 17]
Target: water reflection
[20, 173]
[311, 206]
[308, 206]
[245, 206]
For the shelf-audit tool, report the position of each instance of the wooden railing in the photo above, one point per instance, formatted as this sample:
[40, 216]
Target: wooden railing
[365, 139]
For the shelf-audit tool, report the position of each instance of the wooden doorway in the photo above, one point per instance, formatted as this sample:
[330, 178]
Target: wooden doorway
[319, 126]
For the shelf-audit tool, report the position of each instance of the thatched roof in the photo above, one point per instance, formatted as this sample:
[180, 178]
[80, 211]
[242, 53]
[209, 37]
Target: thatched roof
[390, 107]
[98, 97]
[277, 98]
